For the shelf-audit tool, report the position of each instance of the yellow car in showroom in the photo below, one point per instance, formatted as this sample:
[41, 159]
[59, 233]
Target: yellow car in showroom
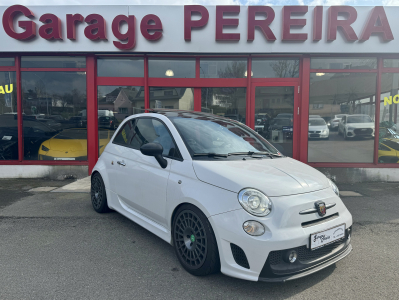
[71, 144]
[388, 151]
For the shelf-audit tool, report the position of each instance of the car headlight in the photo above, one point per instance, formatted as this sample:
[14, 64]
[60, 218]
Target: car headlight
[255, 202]
[334, 187]
[44, 148]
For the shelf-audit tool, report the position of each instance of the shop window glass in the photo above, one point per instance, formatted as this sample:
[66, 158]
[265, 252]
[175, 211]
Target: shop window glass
[342, 112]
[226, 102]
[169, 68]
[223, 68]
[391, 63]
[114, 105]
[54, 115]
[274, 108]
[388, 151]
[53, 62]
[172, 98]
[120, 67]
[343, 63]
[8, 117]
[126, 134]
[274, 68]
[7, 62]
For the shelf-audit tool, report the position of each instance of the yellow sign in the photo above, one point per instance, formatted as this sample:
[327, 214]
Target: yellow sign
[8, 89]
[391, 100]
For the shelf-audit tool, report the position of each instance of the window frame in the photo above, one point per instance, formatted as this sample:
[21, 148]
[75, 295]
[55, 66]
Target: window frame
[306, 71]
[93, 81]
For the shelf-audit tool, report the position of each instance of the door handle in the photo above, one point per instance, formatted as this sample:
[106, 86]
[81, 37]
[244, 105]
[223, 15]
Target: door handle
[121, 163]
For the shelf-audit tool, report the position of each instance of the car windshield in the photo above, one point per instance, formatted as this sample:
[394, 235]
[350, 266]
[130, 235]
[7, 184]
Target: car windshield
[359, 119]
[339, 116]
[207, 134]
[316, 122]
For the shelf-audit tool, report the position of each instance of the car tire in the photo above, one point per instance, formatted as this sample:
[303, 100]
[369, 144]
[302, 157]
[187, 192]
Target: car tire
[194, 241]
[98, 194]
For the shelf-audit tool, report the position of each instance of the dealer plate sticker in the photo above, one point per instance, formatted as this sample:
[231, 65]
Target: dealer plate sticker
[328, 236]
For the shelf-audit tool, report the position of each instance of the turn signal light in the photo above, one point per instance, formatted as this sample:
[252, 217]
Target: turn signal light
[253, 228]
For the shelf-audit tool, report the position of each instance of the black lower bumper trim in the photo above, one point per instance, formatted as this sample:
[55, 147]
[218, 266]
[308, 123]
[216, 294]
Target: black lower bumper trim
[312, 269]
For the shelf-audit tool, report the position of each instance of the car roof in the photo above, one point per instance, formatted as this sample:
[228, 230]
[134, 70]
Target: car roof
[171, 113]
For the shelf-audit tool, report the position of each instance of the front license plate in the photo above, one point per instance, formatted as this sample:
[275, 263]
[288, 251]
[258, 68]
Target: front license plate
[323, 238]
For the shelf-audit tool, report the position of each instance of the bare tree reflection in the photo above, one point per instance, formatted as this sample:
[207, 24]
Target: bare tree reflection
[286, 68]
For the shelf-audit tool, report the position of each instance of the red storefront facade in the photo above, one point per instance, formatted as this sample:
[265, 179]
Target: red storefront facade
[282, 87]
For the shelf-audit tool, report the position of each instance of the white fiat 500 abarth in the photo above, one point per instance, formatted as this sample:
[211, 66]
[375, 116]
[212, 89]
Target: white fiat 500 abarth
[224, 197]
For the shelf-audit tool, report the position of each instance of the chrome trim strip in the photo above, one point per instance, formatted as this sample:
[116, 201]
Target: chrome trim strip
[314, 210]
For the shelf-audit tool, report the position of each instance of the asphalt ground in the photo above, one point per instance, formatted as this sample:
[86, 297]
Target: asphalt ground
[54, 246]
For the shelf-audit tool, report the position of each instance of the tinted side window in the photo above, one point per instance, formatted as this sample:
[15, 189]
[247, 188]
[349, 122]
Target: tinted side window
[153, 131]
[126, 134]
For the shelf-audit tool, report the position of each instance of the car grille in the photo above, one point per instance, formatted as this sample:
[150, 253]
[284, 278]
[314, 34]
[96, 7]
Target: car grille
[363, 131]
[314, 135]
[319, 131]
[304, 254]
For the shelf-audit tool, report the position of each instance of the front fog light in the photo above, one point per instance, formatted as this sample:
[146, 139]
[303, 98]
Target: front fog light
[253, 228]
[290, 256]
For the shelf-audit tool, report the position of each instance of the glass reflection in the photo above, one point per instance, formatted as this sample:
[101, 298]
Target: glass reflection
[343, 63]
[220, 68]
[120, 67]
[172, 98]
[346, 102]
[8, 117]
[272, 68]
[274, 116]
[225, 102]
[7, 61]
[388, 151]
[172, 68]
[54, 115]
[114, 105]
[53, 62]
[391, 63]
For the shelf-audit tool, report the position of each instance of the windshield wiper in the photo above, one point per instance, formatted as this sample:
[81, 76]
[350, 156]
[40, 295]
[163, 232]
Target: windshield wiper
[251, 153]
[211, 154]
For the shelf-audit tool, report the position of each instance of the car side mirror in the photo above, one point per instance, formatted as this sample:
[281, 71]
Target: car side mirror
[156, 150]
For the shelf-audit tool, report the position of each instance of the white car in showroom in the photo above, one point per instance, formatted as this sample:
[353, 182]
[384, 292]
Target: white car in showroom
[334, 122]
[356, 126]
[317, 129]
[222, 196]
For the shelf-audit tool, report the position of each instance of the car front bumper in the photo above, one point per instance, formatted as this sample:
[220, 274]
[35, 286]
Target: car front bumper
[283, 230]
[318, 135]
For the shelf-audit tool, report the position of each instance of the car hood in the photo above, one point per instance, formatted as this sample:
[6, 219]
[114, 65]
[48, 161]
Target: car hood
[70, 145]
[274, 177]
[319, 127]
[361, 125]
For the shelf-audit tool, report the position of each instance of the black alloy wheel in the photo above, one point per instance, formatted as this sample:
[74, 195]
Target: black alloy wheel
[194, 241]
[98, 194]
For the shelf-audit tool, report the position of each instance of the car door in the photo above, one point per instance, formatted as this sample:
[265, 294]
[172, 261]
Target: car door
[141, 183]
